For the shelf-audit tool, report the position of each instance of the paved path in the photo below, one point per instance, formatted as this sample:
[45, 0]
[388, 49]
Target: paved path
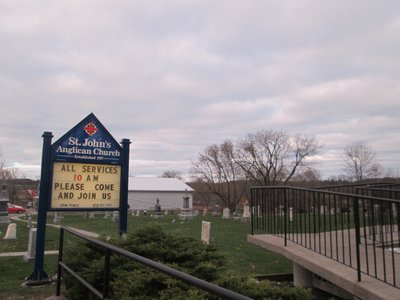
[11, 254]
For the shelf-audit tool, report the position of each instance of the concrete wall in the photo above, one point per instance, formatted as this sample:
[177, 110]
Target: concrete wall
[147, 200]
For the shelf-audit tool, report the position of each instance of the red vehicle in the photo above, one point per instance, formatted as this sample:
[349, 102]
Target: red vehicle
[14, 209]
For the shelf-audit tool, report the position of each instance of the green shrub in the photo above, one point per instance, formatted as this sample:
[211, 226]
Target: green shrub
[131, 280]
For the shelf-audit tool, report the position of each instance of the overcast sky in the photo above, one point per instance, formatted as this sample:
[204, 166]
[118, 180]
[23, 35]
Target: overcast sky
[179, 75]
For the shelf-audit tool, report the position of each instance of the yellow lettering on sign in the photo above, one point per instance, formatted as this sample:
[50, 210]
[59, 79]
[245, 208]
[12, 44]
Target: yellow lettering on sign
[77, 185]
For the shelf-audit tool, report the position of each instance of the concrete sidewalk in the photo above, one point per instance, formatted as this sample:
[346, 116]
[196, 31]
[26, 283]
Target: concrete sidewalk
[11, 254]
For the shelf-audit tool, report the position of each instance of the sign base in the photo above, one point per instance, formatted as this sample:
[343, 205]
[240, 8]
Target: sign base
[38, 278]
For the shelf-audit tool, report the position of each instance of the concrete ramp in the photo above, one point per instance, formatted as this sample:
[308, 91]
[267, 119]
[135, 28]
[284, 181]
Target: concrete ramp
[314, 269]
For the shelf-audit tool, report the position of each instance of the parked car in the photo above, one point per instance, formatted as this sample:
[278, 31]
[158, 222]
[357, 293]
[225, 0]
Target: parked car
[14, 209]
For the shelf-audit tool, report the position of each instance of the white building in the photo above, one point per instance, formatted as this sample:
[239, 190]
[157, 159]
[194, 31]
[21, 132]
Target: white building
[143, 193]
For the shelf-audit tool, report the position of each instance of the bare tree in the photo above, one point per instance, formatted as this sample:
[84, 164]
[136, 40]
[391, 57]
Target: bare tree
[360, 161]
[217, 168]
[171, 174]
[309, 175]
[6, 173]
[271, 157]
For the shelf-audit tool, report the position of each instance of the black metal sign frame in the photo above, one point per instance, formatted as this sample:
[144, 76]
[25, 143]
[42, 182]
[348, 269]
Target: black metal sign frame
[90, 147]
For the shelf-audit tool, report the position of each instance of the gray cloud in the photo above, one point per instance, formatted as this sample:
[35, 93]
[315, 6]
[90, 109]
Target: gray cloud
[176, 76]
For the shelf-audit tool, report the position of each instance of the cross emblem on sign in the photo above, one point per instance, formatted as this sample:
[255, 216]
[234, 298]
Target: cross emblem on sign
[90, 129]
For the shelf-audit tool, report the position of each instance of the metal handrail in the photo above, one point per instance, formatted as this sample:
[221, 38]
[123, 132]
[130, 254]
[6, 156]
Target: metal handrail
[353, 229]
[189, 279]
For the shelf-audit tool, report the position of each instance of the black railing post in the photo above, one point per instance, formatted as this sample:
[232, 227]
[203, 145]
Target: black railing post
[356, 216]
[285, 213]
[251, 209]
[106, 284]
[60, 255]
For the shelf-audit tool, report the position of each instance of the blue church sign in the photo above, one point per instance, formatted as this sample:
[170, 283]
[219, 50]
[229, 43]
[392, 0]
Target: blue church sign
[88, 141]
[86, 169]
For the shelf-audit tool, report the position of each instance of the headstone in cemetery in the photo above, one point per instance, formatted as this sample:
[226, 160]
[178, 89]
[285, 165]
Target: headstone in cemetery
[29, 225]
[216, 211]
[157, 209]
[281, 211]
[377, 210]
[30, 254]
[226, 213]
[11, 233]
[115, 217]
[86, 215]
[107, 215]
[3, 204]
[186, 211]
[237, 214]
[246, 212]
[323, 209]
[205, 210]
[57, 218]
[138, 213]
[91, 215]
[291, 214]
[205, 232]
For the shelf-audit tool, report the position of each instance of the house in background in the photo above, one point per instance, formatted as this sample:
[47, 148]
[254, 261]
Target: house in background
[143, 193]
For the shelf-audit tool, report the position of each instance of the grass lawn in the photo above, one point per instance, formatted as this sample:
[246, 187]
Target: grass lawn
[13, 273]
[228, 236]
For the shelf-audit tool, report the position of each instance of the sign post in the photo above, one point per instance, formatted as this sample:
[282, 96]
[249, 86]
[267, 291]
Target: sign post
[85, 170]
[38, 274]
[123, 208]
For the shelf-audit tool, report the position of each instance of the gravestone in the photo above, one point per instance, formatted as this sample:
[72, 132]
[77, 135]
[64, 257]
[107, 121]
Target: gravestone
[115, 217]
[30, 254]
[29, 225]
[216, 211]
[246, 212]
[205, 232]
[291, 214]
[91, 215]
[377, 210]
[57, 218]
[3, 204]
[323, 210]
[237, 214]
[281, 211]
[186, 211]
[157, 210]
[107, 215]
[226, 213]
[205, 210]
[11, 233]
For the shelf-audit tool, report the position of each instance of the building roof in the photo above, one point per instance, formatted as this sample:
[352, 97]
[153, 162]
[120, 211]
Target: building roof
[152, 184]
